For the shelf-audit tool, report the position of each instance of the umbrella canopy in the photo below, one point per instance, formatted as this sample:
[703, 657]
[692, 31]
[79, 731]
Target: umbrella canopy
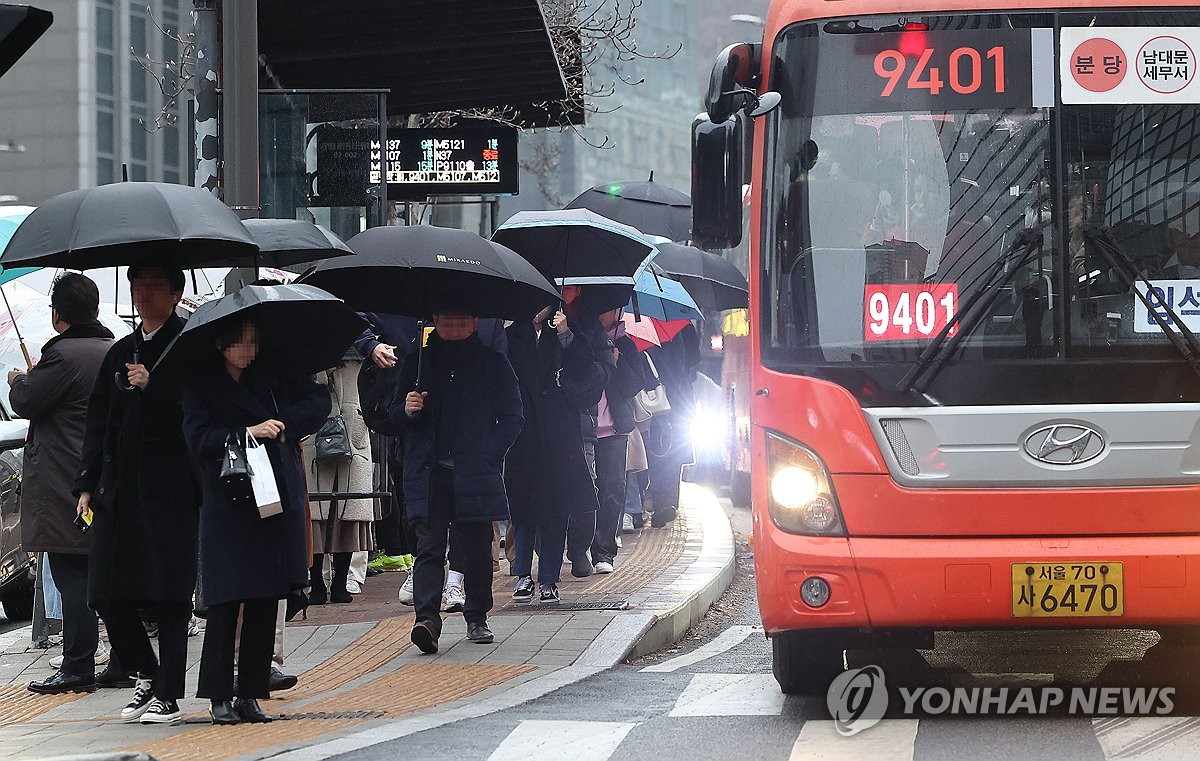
[578, 244]
[300, 327]
[710, 279]
[649, 331]
[11, 218]
[420, 270]
[651, 207]
[20, 27]
[661, 297]
[287, 242]
[130, 222]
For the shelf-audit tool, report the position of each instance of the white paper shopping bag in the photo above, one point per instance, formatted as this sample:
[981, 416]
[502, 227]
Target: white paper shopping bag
[262, 478]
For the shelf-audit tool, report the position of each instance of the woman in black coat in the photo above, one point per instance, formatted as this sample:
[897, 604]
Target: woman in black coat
[248, 563]
[545, 472]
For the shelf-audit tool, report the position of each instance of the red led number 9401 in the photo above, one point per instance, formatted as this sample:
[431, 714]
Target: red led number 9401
[967, 70]
[908, 312]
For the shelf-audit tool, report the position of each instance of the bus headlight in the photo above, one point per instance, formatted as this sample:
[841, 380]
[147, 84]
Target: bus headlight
[802, 499]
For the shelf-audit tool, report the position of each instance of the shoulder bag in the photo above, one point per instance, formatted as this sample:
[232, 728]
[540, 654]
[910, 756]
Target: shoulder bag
[647, 404]
[332, 441]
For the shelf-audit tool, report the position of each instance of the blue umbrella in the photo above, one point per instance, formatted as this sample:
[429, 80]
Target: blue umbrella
[10, 219]
[663, 298]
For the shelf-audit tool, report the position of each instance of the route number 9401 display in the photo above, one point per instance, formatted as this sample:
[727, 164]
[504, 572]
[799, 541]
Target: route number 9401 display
[966, 69]
[908, 312]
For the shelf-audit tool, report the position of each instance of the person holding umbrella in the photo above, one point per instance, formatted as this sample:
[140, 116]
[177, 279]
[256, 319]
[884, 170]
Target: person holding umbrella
[459, 421]
[135, 478]
[250, 562]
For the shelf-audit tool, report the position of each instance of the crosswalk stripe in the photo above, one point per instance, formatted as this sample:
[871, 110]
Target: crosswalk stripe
[889, 740]
[730, 695]
[556, 740]
[1147, 738]
[729, 639]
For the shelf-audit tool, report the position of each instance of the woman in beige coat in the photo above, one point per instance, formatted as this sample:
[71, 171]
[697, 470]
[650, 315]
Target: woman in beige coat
[340, 527]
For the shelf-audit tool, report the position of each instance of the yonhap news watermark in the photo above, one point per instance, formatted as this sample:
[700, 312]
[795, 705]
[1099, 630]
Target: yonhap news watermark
[858, 699]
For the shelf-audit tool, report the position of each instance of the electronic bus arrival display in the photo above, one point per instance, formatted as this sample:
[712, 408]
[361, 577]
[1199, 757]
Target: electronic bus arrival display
[927, 70]
[453, 161]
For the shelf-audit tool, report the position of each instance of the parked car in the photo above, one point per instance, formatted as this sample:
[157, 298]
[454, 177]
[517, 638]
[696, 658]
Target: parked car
[16, 565]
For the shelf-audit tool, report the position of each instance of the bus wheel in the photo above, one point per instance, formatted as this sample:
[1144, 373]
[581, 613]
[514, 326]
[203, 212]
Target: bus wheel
[18, 602]
[805, 662]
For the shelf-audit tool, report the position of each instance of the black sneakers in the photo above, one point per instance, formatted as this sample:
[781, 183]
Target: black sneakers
[161, 712]
[524, 591]
[143, 694]
[549, 593]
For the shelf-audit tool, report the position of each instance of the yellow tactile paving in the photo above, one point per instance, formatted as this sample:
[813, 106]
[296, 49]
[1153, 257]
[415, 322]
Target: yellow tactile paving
[416, 686]
[655, 551]
[18, 704]
[369, 652]
[213, 743]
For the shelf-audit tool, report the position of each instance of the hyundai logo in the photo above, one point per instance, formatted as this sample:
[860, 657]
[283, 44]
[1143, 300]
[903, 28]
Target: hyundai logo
[1064, 444]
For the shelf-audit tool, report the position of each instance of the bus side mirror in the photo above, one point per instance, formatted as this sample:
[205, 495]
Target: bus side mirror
[731, 86]
[716, 183]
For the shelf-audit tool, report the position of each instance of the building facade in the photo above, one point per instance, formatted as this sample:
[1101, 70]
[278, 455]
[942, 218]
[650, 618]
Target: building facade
[78, 107]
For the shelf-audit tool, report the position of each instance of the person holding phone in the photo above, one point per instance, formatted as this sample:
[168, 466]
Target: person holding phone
[136, 477]
[53, 396]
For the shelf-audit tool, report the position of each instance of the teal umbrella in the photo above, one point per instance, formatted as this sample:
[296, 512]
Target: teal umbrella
[658, 296]
[11, 218]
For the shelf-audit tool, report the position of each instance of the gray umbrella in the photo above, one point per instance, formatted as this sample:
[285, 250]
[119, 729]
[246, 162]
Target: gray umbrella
[578, 244]
[129, 222]
[288, 242]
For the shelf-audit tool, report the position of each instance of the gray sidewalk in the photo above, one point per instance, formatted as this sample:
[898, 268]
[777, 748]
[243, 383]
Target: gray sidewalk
[362, 683]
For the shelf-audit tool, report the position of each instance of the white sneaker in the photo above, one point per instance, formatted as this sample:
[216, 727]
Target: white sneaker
[453, 599]
[627, 524]
[195, 627]
[619, 545]
[143, 695]
[406, 591]
[162, 712]
[353, 587]
[604, 567]
[101, 658]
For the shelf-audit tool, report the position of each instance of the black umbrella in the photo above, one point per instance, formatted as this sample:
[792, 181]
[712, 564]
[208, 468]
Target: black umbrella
[300, 327]
[651, 207]
[420, 270]
[129, 222]
[288, 242]
[710, 279]
[20, 27]
[576, 243]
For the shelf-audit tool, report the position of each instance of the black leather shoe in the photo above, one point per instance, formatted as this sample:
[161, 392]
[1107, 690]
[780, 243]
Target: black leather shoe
[425, 638]
[662, 517]
[60, 683]
[222, 712]
[248, 710]
[581, 567]
[281, 681]
[109, 677]
[480, 634]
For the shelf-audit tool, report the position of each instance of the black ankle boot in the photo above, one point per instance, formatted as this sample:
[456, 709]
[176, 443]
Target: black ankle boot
[249, 710]
[222, 712]
[337, 585]
[316, 583]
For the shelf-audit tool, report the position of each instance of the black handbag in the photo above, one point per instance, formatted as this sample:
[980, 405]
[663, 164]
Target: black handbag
[236, 471]
[332, 441]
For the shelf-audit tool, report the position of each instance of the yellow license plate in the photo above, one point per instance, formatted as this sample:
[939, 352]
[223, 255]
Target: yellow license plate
[1067, 590]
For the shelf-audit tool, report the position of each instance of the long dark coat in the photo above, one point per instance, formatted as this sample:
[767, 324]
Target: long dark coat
[244, 556]
[53, 396]
[145, 494]
[545, 472]
[487, 408]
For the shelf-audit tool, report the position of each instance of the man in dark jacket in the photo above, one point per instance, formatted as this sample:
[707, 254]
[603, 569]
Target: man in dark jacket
[669, 445]
[137, 479]
[53, 397]
[458, 424]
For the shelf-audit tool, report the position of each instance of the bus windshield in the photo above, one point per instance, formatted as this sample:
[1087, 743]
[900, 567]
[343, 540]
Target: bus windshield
[922, 164]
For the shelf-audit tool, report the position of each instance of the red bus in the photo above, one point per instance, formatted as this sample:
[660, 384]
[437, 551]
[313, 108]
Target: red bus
[975, 300]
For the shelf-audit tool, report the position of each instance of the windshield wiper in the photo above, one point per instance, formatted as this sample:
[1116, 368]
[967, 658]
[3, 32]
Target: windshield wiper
[1185, 342]
[942, 347]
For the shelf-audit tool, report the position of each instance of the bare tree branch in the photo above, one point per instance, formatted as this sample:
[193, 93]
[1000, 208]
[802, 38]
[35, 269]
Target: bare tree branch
[173, 75]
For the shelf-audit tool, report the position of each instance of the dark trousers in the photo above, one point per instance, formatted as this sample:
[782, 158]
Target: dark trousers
[668, 450]
[81, 633]
[610, 485]
[391, 531]
[253, 651]
[131, 644]
[548, 539]
[581, 527]
[472, 541]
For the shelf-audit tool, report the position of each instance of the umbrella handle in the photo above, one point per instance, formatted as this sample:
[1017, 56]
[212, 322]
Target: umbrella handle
[25, 353]
[420, 354]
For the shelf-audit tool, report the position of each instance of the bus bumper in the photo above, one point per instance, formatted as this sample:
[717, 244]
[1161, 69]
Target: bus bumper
[944, 584]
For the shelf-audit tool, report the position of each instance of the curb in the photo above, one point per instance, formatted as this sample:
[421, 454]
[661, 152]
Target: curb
[702, 576]
[120, 755]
